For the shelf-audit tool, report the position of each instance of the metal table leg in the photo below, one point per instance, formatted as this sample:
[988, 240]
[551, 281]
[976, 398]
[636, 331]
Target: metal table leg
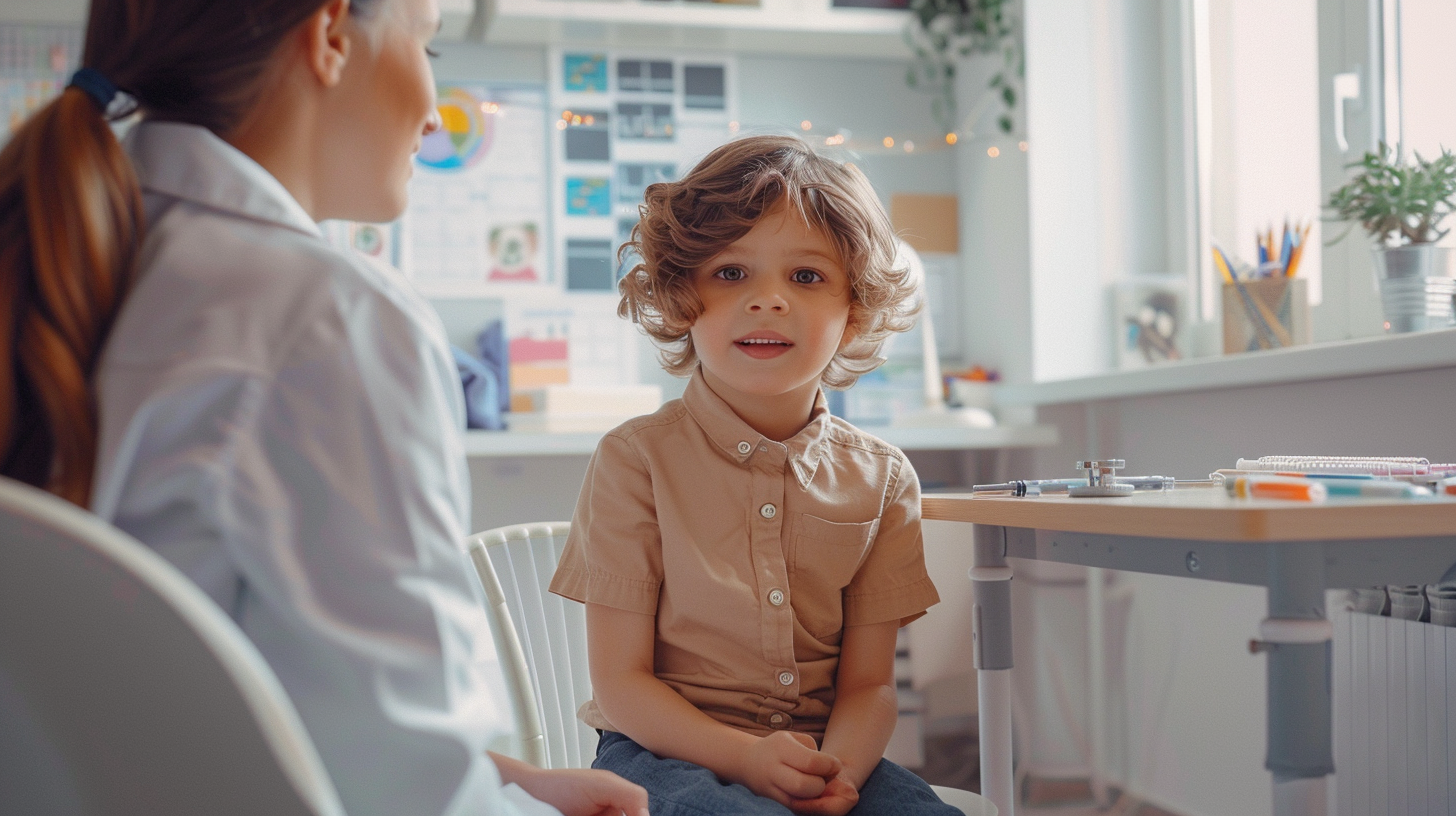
[1297, 637]
[991, 636]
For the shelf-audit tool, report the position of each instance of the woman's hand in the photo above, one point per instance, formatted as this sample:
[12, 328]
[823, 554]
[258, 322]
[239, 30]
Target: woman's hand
[786, 766]
[576, 792]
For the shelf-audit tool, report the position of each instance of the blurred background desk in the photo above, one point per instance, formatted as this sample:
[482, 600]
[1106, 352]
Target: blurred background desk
[522, 477]
[1295, 550]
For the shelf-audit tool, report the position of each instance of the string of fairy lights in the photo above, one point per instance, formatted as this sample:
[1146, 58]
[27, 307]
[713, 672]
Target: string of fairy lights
[843, 138]
[892, 144]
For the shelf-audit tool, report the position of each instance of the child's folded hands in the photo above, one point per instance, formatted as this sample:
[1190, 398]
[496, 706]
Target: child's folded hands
[788, 767]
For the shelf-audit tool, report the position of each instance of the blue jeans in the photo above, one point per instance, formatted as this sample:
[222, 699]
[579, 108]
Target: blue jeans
[678, 788]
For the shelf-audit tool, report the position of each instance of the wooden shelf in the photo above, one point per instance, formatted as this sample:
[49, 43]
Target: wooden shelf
[776, 26]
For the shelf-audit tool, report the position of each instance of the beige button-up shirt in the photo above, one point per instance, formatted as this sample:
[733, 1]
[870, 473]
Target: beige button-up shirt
[752, 554]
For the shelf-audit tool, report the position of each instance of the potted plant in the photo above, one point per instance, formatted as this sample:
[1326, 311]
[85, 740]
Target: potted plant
[943, 32]
[1401, 206]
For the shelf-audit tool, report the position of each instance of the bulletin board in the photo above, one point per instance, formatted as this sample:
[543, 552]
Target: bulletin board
[477, 220]
[624, 120]
[35, 63]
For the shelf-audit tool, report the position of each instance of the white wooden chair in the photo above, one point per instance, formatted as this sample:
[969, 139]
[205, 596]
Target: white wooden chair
[541, 640]
[125, 690]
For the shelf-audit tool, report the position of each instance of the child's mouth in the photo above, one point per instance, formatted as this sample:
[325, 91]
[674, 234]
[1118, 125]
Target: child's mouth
[763, 348]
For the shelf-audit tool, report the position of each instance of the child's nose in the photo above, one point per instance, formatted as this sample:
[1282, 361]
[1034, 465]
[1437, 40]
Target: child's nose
[767, 298]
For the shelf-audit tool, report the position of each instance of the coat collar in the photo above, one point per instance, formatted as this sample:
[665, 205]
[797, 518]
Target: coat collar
[190, 162]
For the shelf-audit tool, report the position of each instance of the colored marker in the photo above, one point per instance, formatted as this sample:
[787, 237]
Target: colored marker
[1373, 487]
[1276, 487]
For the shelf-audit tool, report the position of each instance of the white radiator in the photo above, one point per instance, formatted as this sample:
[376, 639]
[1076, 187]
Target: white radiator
[1394, 687]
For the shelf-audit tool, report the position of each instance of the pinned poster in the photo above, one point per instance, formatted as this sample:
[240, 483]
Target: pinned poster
[477, 223]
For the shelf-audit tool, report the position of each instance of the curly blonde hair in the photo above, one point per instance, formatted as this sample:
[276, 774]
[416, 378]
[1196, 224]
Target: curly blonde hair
[686, 223]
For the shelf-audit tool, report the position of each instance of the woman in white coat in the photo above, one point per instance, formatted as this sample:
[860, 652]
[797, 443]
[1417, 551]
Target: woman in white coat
[183, 352]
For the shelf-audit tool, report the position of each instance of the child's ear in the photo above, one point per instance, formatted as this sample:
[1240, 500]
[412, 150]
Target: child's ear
[851, 333]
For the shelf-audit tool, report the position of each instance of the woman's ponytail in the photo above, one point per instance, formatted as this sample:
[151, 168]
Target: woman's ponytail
[71, 225]
[71, 217]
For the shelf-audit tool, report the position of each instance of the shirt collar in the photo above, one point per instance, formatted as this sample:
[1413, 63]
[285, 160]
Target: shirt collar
[741, 443]
[190, 162]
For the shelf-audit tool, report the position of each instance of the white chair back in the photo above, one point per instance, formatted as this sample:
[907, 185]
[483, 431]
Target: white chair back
[125, 690]
[541, 639]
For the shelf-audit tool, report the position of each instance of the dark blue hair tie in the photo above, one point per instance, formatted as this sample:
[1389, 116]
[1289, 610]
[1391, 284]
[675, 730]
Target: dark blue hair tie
[96, 86]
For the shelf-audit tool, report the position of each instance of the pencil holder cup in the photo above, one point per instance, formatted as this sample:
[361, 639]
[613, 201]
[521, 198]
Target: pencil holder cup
[1442, 598]
[1265, 313]
[1407, 602]
[1417, 287]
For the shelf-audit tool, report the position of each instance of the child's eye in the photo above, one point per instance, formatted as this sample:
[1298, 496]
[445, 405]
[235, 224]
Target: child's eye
[731, 273]
[432, 53]
[806, 276]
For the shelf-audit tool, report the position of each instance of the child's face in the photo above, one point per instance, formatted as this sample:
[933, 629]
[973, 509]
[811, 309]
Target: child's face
[775, 309]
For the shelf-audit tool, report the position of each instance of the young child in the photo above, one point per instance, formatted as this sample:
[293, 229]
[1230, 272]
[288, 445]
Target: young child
[745, 557]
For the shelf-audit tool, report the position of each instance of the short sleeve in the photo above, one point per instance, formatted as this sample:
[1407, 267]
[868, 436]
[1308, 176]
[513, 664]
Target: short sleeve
[892, 583]
[613, 554]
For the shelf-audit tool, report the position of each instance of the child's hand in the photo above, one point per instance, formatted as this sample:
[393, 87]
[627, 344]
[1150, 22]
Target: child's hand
[785, 766]
[838, 798]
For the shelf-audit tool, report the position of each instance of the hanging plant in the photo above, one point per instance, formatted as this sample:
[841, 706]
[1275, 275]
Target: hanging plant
[941, 32]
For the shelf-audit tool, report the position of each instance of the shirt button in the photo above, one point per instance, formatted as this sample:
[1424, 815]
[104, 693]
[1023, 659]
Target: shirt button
[776, 597]
[768, 511]
[777, 719]
[745, 448]
[786, 678]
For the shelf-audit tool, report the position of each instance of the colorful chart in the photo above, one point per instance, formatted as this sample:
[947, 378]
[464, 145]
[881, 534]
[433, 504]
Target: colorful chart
[465, 133]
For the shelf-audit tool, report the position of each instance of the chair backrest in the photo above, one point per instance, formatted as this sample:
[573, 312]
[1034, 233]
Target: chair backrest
[541, 640]
[125, 690]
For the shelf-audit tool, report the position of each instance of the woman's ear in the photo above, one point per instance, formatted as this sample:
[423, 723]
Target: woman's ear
[327, 41]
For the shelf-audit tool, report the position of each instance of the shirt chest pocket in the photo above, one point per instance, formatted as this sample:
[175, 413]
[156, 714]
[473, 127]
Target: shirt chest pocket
[823, 558]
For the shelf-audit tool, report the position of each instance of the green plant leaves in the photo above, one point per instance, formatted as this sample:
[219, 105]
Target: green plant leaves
[1397, 200]
[941, 31]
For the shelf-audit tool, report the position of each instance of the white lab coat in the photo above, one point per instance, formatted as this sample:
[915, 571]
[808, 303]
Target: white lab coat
[282, 421]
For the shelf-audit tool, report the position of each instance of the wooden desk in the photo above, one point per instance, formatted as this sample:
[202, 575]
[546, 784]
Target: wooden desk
[1297, 550]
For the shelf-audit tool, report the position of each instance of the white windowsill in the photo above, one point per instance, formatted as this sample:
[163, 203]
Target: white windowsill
[1324, 361]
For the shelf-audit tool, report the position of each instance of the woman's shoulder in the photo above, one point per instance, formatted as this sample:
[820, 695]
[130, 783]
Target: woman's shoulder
[241, 291]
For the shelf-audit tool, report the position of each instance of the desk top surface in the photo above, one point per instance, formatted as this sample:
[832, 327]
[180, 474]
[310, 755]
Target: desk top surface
[1205, 514]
